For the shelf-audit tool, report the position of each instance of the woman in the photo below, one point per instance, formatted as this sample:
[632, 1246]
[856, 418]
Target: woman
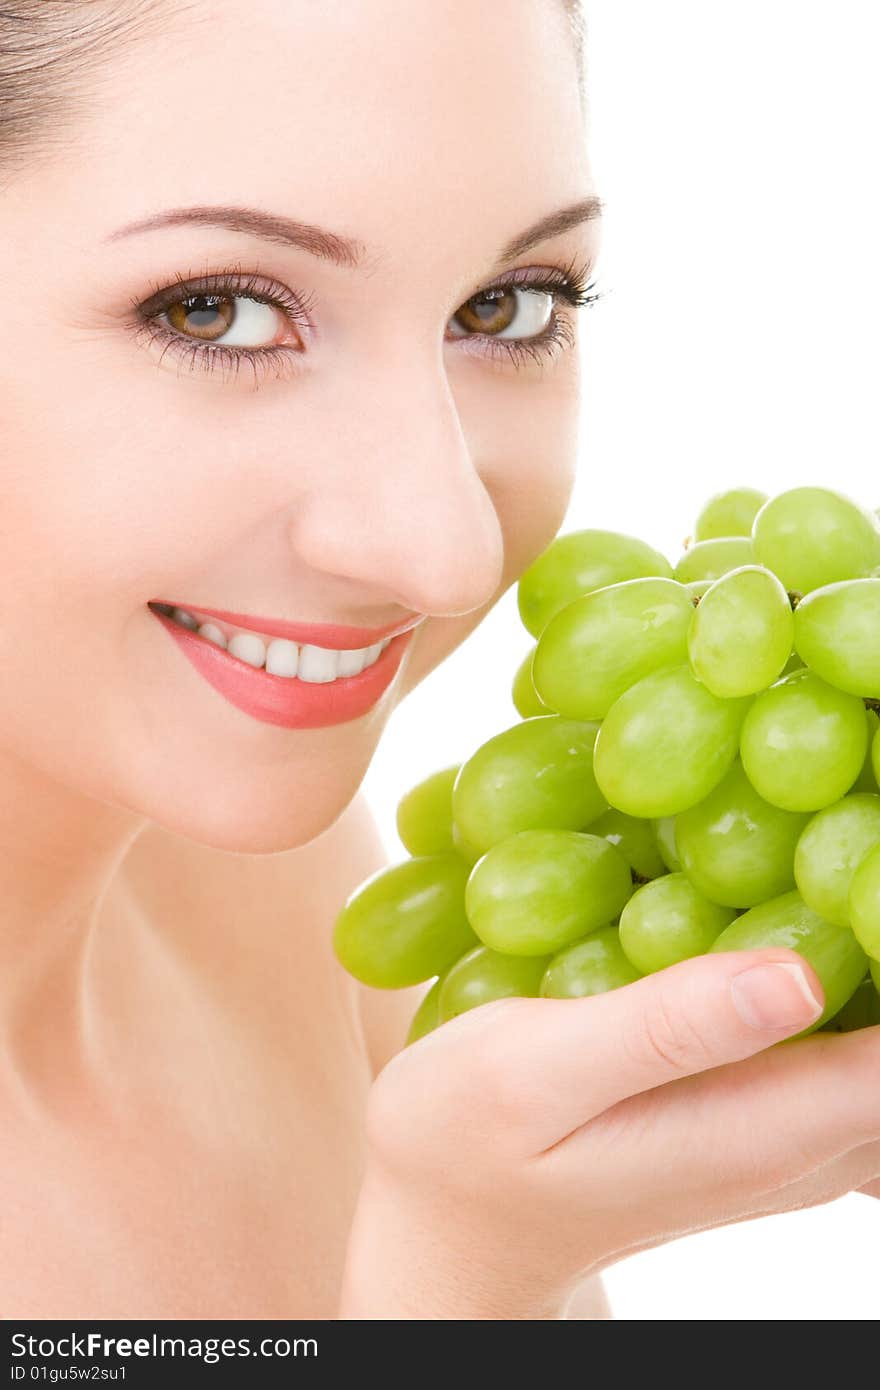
[220, 424]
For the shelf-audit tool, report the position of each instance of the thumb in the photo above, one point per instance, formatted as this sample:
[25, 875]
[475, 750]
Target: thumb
[574, 1058]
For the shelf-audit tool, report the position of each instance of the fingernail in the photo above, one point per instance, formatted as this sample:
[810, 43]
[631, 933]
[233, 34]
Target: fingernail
[774, 996]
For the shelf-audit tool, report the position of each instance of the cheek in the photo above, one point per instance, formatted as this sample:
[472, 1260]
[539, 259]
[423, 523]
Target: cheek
[98, 504]
[108, 489]
[525, 450]
[90, 485]
[532, 507]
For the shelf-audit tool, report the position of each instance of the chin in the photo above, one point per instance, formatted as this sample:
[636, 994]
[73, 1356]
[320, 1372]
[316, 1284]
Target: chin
[243, 820]
[236, 836]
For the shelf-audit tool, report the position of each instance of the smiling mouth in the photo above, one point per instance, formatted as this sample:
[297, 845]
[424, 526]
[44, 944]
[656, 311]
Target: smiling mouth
[277, 656]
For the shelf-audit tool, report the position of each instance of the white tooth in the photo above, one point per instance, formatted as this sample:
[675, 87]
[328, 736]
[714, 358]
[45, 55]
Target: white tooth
[384, 643]
[213, 634]
[317, 664]
[282, 657]
[180, 615]
[247, 646]
[373, 653]
[351, 662]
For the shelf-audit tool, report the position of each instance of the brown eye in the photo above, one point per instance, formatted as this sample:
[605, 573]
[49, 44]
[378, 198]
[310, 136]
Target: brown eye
[207, 316]
[234, 320]
[496, 311]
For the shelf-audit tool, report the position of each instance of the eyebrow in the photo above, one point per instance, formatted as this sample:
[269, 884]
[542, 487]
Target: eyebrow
[330, 246]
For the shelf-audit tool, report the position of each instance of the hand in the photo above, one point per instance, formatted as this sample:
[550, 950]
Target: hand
[531, 1142]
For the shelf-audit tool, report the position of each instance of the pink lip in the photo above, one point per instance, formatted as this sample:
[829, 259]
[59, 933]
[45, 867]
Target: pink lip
[328, 635]
[282, 700]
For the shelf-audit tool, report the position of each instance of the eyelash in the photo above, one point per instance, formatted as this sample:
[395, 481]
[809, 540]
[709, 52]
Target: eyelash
[567, 284]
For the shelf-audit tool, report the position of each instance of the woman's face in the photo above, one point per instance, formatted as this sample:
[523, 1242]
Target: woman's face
[405, 450]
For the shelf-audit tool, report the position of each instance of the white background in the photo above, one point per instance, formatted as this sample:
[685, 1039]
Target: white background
[735, 146]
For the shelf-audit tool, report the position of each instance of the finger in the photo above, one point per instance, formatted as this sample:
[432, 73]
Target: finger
[829, 1182]
[750, 1129]
[554, 1064]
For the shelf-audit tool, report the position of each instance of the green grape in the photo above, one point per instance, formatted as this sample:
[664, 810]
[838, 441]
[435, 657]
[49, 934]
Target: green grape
[875, 973]
[665, 744]
[406, 922]
[697, 587]
[811, 536]
[424, 814]
[830, 850]
[526, 699]
[737, 848]
[538, 890]
[803, 743]
[729, 514]
[577, 563]
[664, 835]
[427, 1016]
[837, 634]
[787, 921]
[599, 645]
[668, 921]
[535, 775]
[862, 1010]
[634, 838]
[593, 966]
[483, 975]
[741, 633]
[711, 559]
[864, 903]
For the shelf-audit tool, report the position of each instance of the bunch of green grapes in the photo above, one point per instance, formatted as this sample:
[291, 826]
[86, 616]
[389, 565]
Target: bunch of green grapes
[695, 769]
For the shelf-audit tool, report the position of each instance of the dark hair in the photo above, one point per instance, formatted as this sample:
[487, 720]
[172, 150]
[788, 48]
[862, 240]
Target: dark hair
[52, 53]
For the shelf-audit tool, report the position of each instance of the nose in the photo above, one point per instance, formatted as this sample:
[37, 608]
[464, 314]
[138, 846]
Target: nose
[401, 509]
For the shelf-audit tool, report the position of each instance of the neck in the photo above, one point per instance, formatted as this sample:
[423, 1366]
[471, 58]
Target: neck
[59, 853]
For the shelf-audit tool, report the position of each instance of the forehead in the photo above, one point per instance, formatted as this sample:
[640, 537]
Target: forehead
[388, 119]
